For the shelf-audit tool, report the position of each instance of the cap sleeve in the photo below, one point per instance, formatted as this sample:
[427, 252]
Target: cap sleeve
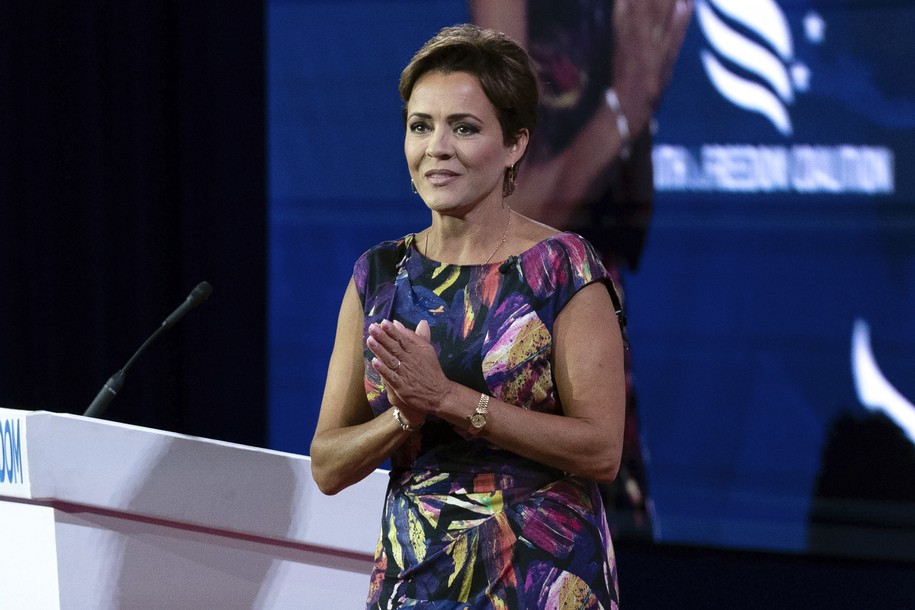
[377, 267]
[563, 266]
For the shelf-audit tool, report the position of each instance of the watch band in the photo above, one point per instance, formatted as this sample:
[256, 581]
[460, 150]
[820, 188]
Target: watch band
[478, 417]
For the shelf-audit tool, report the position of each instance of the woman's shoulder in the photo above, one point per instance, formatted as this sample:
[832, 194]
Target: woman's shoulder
[537, 239]
[382, 259]
[549, 244]
[560, 261]
[386, 250]
[387, 246]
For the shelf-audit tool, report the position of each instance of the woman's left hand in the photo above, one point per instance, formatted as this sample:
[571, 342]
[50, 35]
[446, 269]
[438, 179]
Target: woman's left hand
[408, 365]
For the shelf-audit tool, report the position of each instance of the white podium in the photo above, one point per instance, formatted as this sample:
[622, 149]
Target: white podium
[96, 514]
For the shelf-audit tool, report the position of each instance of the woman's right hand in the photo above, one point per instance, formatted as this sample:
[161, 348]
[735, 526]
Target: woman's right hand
[349, 441]
[409, 367]
[410, 416]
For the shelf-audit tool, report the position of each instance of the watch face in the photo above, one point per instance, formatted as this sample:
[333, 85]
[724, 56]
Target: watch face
[477, 420]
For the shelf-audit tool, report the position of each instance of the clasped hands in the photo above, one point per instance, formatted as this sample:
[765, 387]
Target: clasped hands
[409, 367]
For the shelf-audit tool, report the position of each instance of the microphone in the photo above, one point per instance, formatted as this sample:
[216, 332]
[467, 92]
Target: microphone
[113, 385]
[198, 295]
[507, 264]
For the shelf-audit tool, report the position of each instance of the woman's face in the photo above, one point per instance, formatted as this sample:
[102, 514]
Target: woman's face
[454, 144]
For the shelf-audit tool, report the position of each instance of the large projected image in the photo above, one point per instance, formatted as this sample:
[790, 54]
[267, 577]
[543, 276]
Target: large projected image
[773, 306]
[769, 280]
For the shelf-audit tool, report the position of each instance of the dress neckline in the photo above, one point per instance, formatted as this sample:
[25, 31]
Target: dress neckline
[411, 247]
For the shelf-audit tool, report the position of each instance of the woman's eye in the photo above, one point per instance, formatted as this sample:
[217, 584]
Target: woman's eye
[418, 127]
[463, 129]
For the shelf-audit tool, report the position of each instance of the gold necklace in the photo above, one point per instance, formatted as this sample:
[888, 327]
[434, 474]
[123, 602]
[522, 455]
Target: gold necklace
[499, 245]
[502, 240]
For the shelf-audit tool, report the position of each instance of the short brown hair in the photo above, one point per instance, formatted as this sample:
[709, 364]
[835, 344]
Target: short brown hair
[504, 69]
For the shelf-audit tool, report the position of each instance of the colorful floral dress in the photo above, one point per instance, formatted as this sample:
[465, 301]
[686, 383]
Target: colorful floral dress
[467, 524]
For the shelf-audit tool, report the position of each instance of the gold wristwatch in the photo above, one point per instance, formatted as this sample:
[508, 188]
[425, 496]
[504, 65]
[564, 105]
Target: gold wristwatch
[478, 417]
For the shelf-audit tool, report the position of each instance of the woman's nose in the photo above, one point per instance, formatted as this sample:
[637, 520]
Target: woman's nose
[440, 145]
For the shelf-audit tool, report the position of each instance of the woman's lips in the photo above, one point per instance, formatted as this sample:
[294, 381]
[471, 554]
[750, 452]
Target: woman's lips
[440, 177]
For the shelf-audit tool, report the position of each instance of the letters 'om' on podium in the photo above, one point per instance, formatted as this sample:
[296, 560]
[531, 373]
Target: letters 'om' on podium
[96, 514]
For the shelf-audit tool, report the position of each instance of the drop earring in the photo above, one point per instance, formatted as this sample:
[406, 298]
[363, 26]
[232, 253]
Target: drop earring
[413, 187]
[508, 185]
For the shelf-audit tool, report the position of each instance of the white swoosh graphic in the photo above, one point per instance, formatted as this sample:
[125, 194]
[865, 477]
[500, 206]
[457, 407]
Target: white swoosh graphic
[874, 390]
[746, 93]
[744, 52]
[763, 17]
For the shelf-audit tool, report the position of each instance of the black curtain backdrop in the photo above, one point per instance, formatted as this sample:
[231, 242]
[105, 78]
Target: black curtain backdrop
[132, 168]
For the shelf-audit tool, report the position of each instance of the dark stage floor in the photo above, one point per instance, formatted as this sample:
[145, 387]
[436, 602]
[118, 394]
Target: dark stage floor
[657, 576]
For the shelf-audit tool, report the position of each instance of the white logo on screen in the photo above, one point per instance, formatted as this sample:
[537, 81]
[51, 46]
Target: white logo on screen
[750, 56]
[874, 390]
[751, 59]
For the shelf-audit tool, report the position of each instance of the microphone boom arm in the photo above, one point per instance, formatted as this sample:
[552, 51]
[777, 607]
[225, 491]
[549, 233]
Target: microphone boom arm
[114, 383]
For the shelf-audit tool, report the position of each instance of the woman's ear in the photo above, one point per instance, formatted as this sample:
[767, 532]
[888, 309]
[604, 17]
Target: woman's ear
[520, 145]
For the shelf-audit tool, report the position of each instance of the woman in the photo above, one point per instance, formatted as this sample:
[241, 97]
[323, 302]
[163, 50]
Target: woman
[481, 356]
